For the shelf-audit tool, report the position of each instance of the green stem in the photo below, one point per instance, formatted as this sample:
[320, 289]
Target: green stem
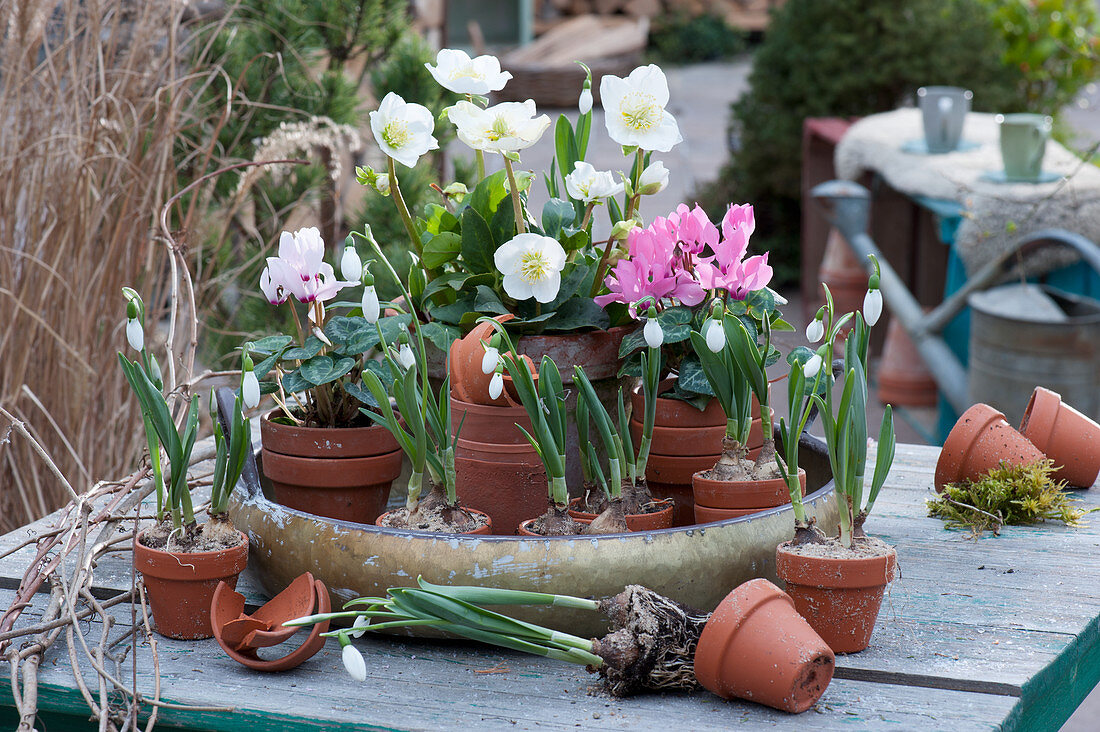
[587, 215]
[416, 483]
[403, 210]
[480, 157]
[601, 270]
[517, 207]
[559, 492]
[634, 180]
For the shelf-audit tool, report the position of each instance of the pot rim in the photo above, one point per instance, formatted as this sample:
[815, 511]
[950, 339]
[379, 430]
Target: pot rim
[851, 572]
[1040, 415]
[963, 435]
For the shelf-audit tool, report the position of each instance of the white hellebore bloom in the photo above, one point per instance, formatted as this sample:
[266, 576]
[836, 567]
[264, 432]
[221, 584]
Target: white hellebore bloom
[456, 71]
[584, 104]
[505, 127]
[715, 336]
[351, 266]
[815, 331]
[872, 306]
[405, 356]
[496, 385]
[634, 109]
[135, 334]
[371, 309]
[403, 130]
[490, 360]
[354, 663]
[653, 179]
[587, 184]
[250, 389]
[654, 336]
[811, 367]
[531, 265]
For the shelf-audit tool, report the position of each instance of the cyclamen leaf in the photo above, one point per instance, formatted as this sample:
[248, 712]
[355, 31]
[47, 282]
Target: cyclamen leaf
[308, 350]
[323, 369]
[269, 345]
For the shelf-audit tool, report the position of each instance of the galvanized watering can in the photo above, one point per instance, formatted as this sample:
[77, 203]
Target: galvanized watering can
[1010, 352]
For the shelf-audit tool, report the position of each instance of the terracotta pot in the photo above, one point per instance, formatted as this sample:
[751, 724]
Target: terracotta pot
[634, 521]
[508, 482]
[181, 585]
[903, 377]
[490, 423]
[708, 515]
[742, 493]
[483, 530]
[1068, 437]
[342, 473]
[978, 443]
[839, 597]
[468, 382]
[757, 647]
[523, 529]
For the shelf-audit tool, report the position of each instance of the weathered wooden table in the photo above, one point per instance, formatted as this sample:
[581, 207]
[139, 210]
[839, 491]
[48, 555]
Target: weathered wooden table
[1001, 632]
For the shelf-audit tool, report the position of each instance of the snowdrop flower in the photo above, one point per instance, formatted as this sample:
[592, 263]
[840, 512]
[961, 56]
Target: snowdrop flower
[815, 331]
[135, 334]
[587, 184]
[496, 385]
[360, 622]
[634, 110]
[584, 104]
[653, 179]
[354, 663]
[505, 127]
[456, 71]
[872, 305]
[371, 309]
[403, 130]
[811, 367]
[490, 360]
[654, 336]
[351, 266]
[715, 336]
[250, 385]
[405, 356]
[531, 265]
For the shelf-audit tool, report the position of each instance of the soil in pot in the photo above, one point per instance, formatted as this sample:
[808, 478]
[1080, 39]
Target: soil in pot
[555, 522]
[181, 585]
[838, 590]
[979, 442]
[1066, 436]
[656, 514]
[433, 513]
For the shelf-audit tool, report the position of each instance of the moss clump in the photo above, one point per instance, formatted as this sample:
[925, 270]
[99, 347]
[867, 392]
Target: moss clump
[1012, 495]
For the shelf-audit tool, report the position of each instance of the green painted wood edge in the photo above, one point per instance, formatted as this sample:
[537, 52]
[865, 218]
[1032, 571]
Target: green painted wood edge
[68, 703]
[1051, 696]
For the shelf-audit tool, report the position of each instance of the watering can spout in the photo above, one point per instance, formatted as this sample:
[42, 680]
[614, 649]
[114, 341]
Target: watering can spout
[846, 205]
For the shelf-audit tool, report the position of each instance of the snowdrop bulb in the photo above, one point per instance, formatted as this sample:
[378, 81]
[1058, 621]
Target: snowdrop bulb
[811, 367]
[815, 331]
[354, 663]
[872, 306]
[654, 336]
[496, 385]
[350, 265]
[360, 622]
[584, 104]
[370, 304]
[250, 390]
[716, 336]
[135, 334]
[489, 361]
[405, 356]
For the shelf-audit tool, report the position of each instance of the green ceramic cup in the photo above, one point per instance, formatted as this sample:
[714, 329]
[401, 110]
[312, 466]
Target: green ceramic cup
[1023, 144]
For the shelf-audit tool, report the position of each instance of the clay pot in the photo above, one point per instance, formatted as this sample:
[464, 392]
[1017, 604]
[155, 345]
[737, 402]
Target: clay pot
[634, 521]
[342, 473]
[240, 635]
[708, 515]
[1068, 437]
[839, 597]
[485, 529]
[903, 377]
[742, 493]
[978, 443]
[181, 585]
[523, 529]
[757, 647]
[468, 382]
[491, 424]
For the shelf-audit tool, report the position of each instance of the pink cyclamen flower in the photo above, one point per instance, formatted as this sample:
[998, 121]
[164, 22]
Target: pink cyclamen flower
[300, 270]
[729, 270]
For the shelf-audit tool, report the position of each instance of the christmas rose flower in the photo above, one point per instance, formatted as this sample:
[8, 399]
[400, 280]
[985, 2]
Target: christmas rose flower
[456, 71]
[634, 110]
[403, 130]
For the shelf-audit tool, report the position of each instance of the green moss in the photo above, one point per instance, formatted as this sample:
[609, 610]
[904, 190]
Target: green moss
[1009, 495]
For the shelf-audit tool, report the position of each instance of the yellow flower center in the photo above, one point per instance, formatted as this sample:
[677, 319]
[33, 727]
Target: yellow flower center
[640, 111]
[465, 72]
[396, 133]
[499, 130]
[534, 266]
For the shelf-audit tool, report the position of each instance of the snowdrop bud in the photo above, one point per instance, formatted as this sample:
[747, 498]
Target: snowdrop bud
[716, 336]
[354, 663]
[371, 308]
[360, 622]
[155, 375]
[496, 385]
[250, 386]
[872, 306]
[811, 367]
[405, 356]
[489, 360]
[654, 336]
[585, 102]
[135, 334]
[351, 267]
[815, 331]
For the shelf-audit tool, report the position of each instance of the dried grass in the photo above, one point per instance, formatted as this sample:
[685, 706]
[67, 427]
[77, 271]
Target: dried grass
[91, 103]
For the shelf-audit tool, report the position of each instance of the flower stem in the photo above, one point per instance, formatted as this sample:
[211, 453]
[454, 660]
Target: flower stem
[403, 210]
[587, 215]
[521, 227]
[635, 179]
[601, 270]
[480, 157]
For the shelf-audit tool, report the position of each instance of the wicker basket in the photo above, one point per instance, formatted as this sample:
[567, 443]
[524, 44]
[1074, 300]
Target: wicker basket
[560, 86]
